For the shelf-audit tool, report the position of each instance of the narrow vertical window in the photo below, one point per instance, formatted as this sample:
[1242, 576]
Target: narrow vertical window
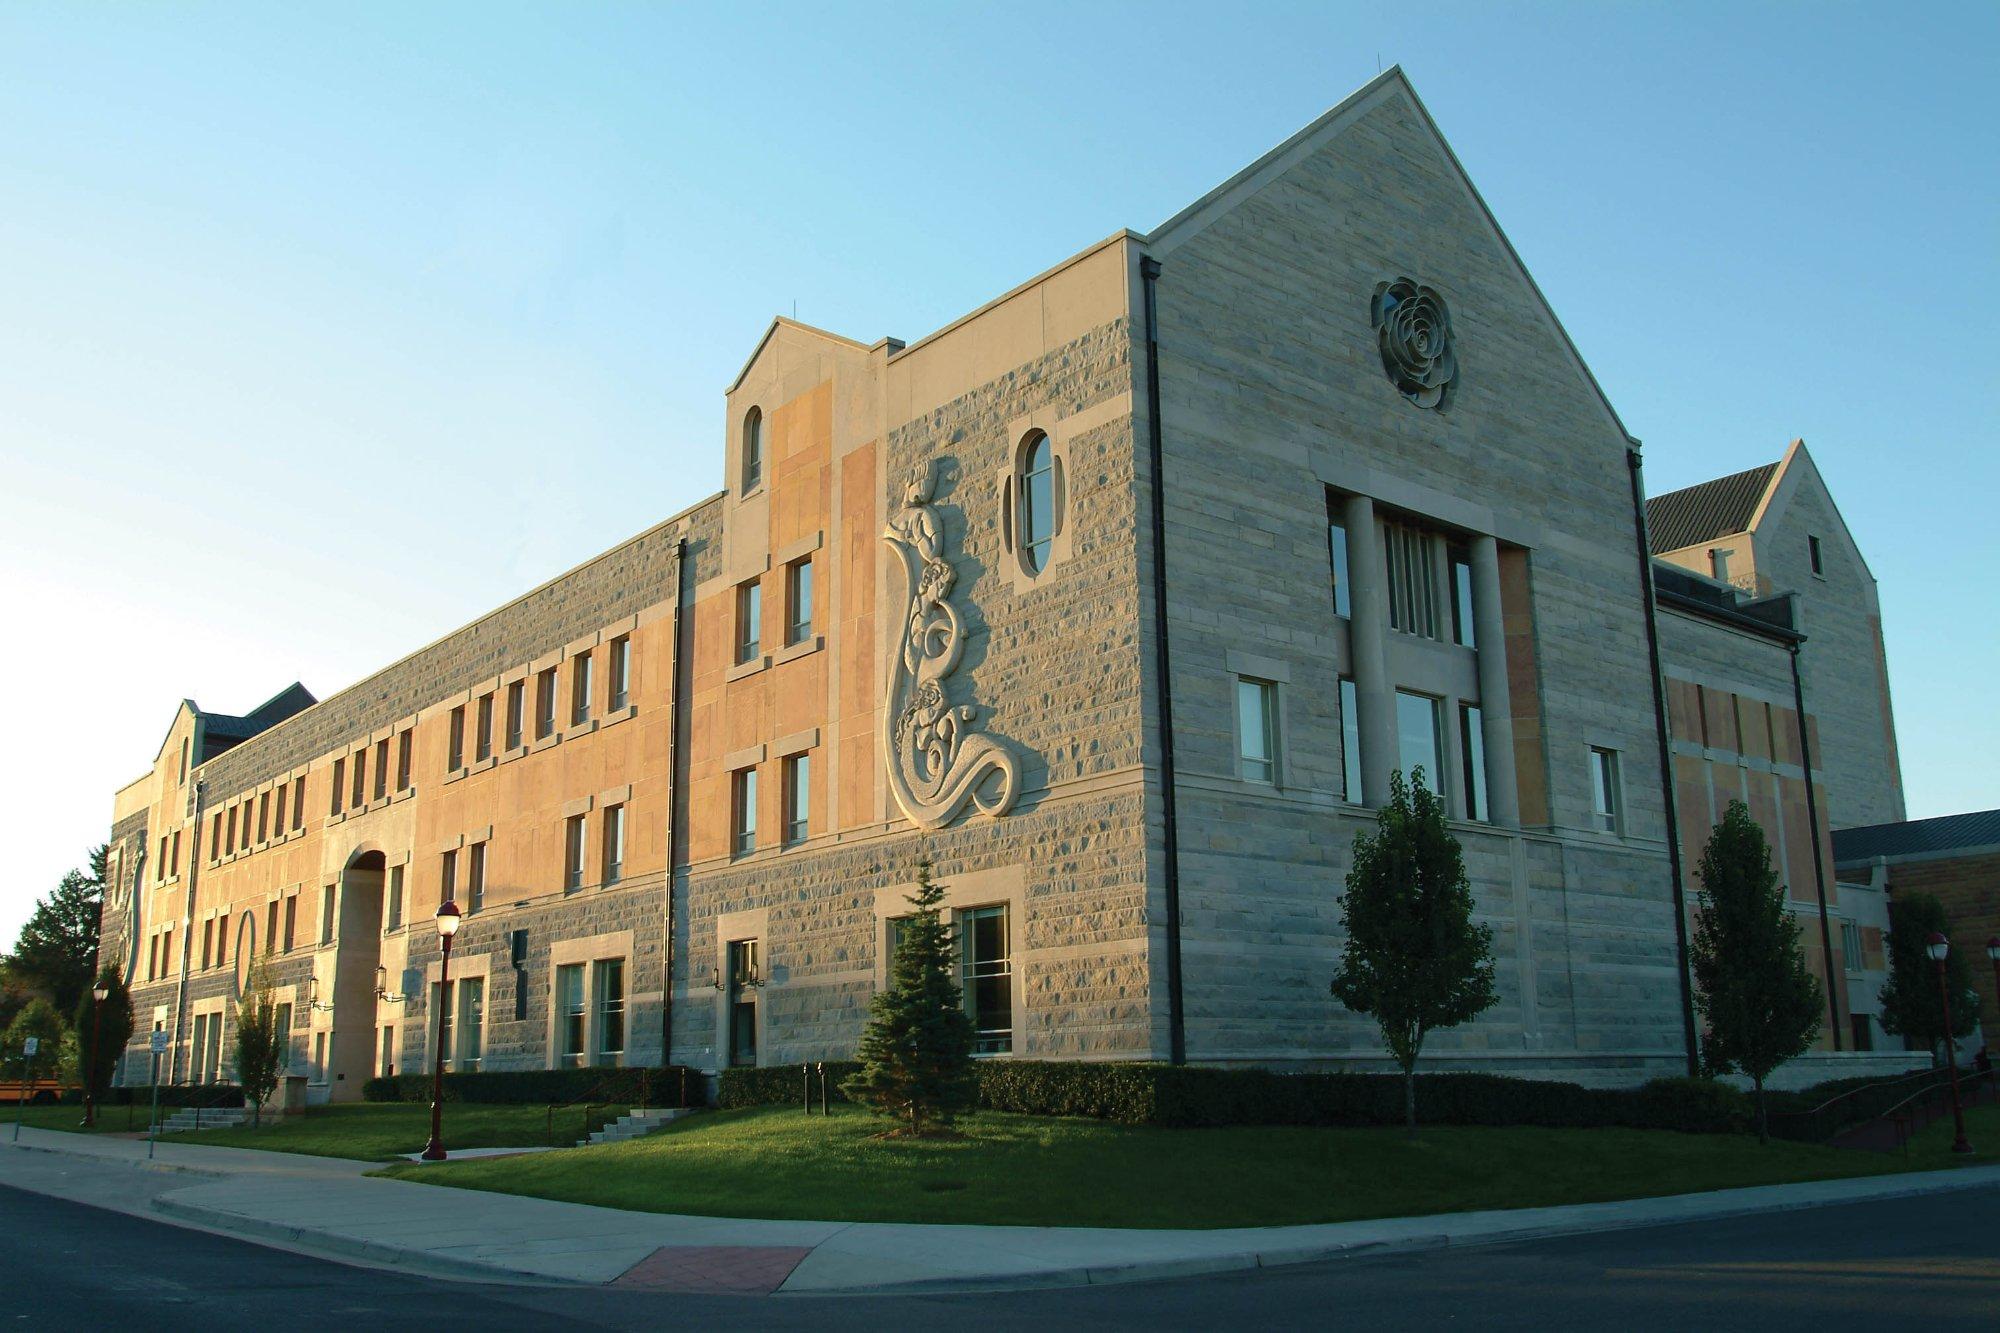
[381, 768]
[1462, 631]
[298, 803]
[475, 877]
[263, 820]
[1037, 505]
[1257, 729]
[614, 844]
[579, 688]
[360, 794]
[185, 739]
[608, 990]
[393, 899]
[229, 843]
[1812, 549]
[743, 811]
[749, 619]
[1336, 549]
[1420, 739]
[573, 853]
[326, 909]
[174, 855]
[271, 927]
[517, 713]
[742, 982]
[454, 757]
[1472, 760]
[798, 797]
[471, 1022]
[446, 1027]
[753, 449]
[798, 601]
[385, 1063]
[987, 965]
[448, 878]
[291, 921]
[278, 811]
[619, 693]
[545, 704]
[215, 835]
[570, 1014]
[405, 743]
[1606, 801]
[1850, 945]
[207, 944]
[482, 731]
[1410, 556]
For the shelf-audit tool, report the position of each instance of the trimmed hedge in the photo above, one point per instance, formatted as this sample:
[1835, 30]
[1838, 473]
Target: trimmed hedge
[1155, 1094]
[671, 1085]
[171, 1094]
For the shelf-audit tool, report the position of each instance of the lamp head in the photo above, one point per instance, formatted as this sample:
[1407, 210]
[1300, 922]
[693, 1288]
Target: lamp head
[103, 993]
[447, 919]
[1938, 947]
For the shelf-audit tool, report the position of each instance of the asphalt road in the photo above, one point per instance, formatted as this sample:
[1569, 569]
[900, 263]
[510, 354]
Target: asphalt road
[1931, 1263]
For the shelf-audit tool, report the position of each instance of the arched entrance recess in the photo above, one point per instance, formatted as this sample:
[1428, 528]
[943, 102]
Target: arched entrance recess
[357, 953]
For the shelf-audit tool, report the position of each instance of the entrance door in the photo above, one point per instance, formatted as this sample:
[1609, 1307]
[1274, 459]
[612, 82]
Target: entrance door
[743, 984]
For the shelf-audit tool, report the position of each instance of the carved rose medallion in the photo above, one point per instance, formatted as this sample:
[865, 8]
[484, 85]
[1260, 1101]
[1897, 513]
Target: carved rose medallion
[937, 762]
[1413, 328]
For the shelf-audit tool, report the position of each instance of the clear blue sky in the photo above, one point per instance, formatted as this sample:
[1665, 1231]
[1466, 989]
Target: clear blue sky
[324, 329]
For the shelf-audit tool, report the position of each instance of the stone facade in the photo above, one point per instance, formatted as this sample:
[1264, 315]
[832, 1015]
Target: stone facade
[695, 849]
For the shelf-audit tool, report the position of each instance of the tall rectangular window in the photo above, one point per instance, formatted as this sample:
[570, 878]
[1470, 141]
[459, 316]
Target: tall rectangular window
[278, 812]
[570, 1014]
[264, 817]
[152, 956]
[1257, 729]
[385, 1062]
[1462, 631]
[392, 905]
[360, 795]
[614, 844]
[573, 853]
[291, 921]
[743, 811]
[1850, 945]
[1336, 549]
[619, 672]
[1606, 801]
[545, 703]
[749, 619]
[454, 758]
[1411, 560]
[743, 980]
[229, 842]
[381, 768]
[1812, 549]
[271, 927]
[446, 1026]
[174, 854]
[471, 1023]
[798, 797]
[517, 713]
[608, 989]
[1350, 739]
[405, 743]
[215, 835]
[186, 739]
[482, 733]
[1472, 760]
[207, 944]
[475, 877]
[798, 601]
[448, 878]
[1420, 739]
[579, 689]
[326, 909]
[987, 980]
[298, 803]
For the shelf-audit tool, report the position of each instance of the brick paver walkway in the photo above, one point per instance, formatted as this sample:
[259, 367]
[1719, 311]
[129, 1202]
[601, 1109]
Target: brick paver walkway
[748, 1270]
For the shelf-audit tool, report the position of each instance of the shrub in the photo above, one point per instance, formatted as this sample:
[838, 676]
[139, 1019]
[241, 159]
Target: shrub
[775, 1085]
[665, 1086]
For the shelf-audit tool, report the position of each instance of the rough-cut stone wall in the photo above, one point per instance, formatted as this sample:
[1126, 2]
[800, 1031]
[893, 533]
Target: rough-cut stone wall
[1054, 671]
[1273, 389]
[637, 574]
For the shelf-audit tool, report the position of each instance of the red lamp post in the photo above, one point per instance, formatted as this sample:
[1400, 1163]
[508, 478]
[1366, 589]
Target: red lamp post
[447, 924]
[1939, 949]
[97, 998]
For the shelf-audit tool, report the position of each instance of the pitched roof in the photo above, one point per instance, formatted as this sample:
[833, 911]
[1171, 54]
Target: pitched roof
[1917, 837]
[1701, 513]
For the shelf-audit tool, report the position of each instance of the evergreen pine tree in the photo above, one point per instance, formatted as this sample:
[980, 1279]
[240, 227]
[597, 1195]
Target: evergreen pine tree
[109, 1029]
[1911, 1003]
[1414, 959]
[916, 1053]
[1751, 983]
[57, 949]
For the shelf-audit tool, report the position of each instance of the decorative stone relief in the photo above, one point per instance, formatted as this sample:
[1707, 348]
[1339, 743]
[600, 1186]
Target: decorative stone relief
[937, 762]
[1413, 328]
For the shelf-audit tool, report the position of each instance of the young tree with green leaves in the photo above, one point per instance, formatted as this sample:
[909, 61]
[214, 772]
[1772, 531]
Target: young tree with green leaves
[916, 1053]
[57, 949]
[260, 1047]
[102, 1030]
[1912, 1005]
[39, 1020]
[1751, 982]
[1414, 959]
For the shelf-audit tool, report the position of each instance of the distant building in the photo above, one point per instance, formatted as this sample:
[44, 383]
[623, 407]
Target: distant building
[947, 605]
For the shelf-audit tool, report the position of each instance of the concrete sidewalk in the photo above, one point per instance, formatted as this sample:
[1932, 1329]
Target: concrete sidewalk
[329, 1206]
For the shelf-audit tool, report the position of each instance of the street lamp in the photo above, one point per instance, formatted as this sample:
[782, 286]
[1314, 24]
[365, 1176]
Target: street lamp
[97, 997]
[1939, 949]
[447, 923]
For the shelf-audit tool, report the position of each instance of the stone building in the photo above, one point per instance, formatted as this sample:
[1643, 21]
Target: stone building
[1120, 599]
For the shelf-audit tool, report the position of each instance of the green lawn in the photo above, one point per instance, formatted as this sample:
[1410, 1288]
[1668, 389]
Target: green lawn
[381, 1131]
[1030, 1171]
[110, 1119]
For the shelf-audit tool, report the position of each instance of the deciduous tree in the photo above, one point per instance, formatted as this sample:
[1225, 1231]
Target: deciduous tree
[260, 1047]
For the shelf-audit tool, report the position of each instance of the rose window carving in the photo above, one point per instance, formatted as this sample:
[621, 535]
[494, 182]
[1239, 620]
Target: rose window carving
[1413, 329]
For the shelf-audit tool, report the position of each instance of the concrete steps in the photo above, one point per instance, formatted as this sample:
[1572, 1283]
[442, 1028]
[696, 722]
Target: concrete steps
[636, 1123]
[208, 1117]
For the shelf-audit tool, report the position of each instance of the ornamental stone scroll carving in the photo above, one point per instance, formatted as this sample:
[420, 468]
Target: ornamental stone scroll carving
[937, 761]
[1413, 330]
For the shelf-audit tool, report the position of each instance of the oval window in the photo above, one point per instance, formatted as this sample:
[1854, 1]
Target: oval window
[1038, 503]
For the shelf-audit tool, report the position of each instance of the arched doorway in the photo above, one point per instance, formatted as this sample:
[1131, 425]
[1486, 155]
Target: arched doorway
[350, 1034]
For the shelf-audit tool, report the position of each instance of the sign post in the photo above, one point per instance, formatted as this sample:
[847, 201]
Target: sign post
[157, 1043]
[29, 1045]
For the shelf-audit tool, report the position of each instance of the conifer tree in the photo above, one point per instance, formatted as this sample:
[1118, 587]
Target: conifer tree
[916, 1053]
[1414, 958]
[1751, 983]
[1912, 1005]
[104, 1032]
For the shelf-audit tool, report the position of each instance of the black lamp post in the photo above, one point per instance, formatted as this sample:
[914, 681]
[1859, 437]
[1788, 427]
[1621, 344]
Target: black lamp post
[447, 924]
[97, 997]
[1939, 949]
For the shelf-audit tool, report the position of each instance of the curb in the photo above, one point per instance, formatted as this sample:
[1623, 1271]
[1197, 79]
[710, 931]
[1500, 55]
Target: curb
[141, 1164]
